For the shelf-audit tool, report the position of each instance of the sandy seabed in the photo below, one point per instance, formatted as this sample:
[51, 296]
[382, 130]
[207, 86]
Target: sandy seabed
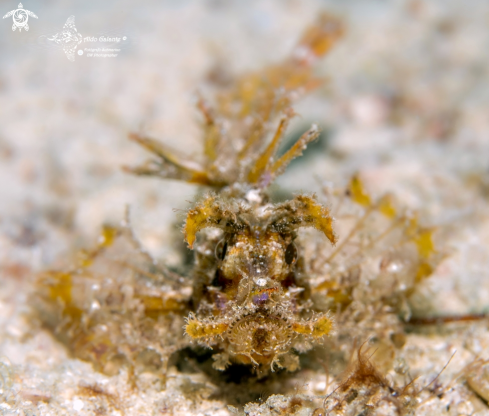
[406, 105]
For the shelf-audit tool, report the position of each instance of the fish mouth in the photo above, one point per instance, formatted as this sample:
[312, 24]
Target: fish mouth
[260, 337]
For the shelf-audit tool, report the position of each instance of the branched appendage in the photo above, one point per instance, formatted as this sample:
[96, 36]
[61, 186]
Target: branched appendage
[204, 331]
[304, 211]
[115, 306]
[168, 165]
[317, 327]
[214, 212]
[384, 254]
[239, 154]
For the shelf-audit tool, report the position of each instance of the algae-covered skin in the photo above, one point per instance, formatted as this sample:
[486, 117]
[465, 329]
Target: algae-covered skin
[252, 301]
[397, 230]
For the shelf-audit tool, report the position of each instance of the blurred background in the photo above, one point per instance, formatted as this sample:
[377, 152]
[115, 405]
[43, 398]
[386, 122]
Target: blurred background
[406, 105]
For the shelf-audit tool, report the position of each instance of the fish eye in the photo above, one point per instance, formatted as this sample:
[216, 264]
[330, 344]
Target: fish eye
[291, 254]
[221, 249]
